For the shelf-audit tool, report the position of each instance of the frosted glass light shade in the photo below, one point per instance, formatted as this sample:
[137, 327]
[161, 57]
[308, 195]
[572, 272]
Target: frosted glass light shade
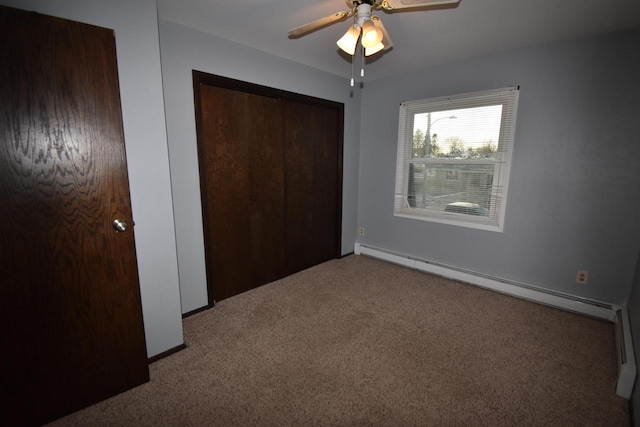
[349, 41]
[370, 51]
[371, 35]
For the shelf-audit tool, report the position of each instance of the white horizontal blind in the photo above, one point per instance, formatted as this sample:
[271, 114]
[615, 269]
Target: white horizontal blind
[454, 157]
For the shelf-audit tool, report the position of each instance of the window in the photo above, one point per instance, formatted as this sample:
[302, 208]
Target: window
[454, 157]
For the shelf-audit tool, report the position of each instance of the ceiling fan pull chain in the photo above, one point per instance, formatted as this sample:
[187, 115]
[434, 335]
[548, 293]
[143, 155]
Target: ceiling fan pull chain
[352, 70]
[362, 59]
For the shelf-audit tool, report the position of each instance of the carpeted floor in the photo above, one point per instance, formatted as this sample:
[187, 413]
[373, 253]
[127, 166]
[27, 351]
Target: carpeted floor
[360, 342]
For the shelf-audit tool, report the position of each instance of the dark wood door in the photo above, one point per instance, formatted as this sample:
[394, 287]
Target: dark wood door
[270, 180]
[311, 169]
[70, 314]
[242, 165]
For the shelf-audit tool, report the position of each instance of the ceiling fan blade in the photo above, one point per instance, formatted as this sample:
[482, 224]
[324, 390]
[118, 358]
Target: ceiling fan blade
[386, 40]
[322, 22]
[407, 4]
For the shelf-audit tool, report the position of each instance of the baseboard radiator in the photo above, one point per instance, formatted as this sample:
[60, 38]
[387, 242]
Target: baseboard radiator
[626, 357]
[603, 310]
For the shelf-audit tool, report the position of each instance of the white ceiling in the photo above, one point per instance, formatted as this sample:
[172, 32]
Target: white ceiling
[421, 38]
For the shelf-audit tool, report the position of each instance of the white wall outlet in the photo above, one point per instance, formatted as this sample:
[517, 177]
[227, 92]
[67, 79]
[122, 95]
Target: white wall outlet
[582, 276]
[362, 231]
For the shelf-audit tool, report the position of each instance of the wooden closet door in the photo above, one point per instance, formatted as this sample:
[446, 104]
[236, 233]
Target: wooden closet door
[70, 315]
[242, 185]
[312, 166]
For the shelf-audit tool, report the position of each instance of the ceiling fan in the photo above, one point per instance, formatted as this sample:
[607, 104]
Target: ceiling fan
[366, 27]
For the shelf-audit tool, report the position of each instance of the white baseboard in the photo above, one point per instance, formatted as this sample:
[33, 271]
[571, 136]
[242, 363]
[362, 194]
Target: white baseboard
[626, 357]
[602, 310]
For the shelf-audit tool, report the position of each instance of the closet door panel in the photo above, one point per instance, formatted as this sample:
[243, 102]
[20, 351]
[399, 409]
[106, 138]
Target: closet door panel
[266, 191]
[242, 180]
[312, 197]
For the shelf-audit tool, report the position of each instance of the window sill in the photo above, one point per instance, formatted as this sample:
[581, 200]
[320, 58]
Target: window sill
[453, 219]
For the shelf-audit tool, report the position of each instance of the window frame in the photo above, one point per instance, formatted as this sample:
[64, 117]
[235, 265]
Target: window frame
[507, 97]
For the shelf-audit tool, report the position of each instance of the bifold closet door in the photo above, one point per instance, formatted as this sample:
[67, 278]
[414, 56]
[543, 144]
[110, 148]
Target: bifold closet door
[312, 150]
[270, 181]
[241, 156]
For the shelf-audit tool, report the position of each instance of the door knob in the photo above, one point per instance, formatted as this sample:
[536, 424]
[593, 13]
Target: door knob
[120, 225]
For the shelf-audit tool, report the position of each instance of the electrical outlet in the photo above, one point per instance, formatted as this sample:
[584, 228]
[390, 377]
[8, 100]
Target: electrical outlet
[362, 231]
[582, 276]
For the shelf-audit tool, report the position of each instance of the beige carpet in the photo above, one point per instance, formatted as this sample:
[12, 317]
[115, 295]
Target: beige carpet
[359, 342]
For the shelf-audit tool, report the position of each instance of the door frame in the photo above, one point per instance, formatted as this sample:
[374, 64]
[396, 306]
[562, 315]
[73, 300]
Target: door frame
[201, 78]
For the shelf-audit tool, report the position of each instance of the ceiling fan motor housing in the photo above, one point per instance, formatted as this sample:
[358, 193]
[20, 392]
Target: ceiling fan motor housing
[357, 3]
[364, 12]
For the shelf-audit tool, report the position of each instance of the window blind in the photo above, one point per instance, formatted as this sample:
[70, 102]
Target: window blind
[453, 158]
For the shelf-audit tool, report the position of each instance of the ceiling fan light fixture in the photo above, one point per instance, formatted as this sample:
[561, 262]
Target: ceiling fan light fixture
[371, 35]
[349, 41]
[368, 51]
[367, 28]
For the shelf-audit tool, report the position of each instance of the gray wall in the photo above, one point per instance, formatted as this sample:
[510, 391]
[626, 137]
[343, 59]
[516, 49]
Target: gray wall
[574, 189]
[136, 27]
[183, 50]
